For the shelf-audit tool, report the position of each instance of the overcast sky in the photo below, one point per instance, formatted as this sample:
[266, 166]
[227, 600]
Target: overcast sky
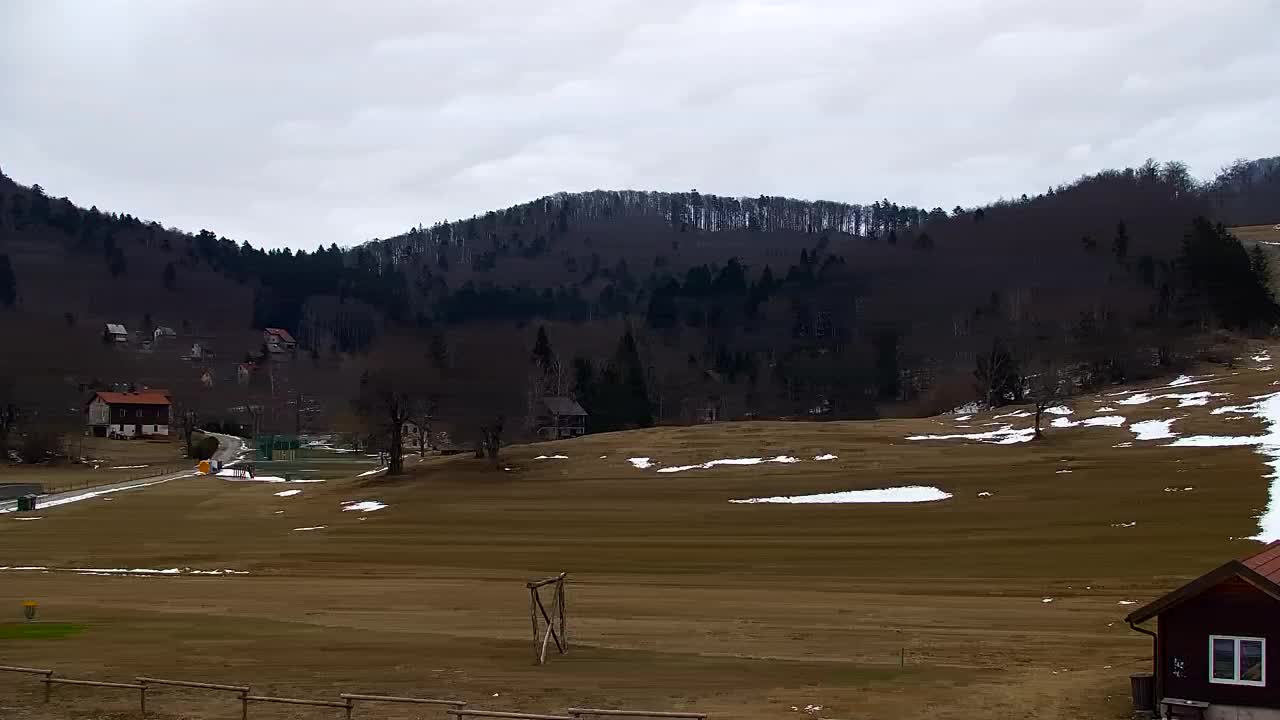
[298, 123]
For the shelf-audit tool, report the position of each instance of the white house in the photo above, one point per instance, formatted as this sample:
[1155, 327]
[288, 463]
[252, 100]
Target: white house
[115, 332]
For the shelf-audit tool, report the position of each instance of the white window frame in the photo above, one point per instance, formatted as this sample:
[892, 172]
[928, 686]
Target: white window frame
[1235, 663]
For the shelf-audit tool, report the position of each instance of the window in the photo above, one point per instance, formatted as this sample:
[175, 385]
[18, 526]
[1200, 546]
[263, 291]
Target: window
[1237, 660]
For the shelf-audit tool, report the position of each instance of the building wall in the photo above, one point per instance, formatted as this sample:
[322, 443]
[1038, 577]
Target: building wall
[1233, 607]
[140, 414]
[99, 412]
[1233, 712]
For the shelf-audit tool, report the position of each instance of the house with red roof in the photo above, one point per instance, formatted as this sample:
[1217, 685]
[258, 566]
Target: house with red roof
[278, 340]
[128, 414]
[1216, 644]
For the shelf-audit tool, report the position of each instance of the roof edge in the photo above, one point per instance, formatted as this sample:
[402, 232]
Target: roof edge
[1232, 568]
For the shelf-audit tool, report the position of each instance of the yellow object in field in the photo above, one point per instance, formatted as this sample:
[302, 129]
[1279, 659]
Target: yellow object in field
[29, 609]
[204, 467]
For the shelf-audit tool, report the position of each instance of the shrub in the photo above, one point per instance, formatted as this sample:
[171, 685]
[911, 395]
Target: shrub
[204, 448]
[40, 445]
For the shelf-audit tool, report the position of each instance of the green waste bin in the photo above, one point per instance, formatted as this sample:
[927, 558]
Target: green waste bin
[27, 503]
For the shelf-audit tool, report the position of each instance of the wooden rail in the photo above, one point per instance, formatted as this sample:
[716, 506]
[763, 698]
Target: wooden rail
[246, 699]
[32, 671]
[188, 684]
[577, 712]
[397, 699]
[463, 713]
[50, 681]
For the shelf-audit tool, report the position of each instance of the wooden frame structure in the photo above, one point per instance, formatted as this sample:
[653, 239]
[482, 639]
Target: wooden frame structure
[544, 622]
[241, 690]
[463, 713]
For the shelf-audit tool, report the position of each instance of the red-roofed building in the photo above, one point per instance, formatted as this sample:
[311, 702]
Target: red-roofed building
[129, 414]
[279, 340]
[1217, 639]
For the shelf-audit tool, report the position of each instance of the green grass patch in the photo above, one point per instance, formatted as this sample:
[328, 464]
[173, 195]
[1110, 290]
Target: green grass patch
[38, 630]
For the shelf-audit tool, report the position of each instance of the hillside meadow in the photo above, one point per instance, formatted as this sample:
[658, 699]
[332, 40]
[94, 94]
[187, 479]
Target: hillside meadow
[1004, 599]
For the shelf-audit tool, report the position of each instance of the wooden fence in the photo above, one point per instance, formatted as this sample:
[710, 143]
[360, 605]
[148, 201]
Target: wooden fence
[455, 709]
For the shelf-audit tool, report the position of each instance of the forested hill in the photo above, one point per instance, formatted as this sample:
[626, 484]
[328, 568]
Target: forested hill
[771, 306]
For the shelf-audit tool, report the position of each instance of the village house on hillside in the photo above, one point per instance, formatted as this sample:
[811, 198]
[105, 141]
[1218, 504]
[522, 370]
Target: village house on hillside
[163, 332]
[128, 414]
[114, 332]
[279, 340]
[1215, 640]
[560, 417]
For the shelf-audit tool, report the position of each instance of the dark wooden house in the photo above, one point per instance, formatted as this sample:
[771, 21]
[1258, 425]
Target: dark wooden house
[1217, 640]
[128, 414]
[559, 417]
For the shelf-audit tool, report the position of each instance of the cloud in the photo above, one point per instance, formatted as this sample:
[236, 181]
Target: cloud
[299, 123]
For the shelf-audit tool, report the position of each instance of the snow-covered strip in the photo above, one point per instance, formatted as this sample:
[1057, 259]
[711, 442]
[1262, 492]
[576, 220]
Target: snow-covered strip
[784, 459]
[128, 467]
[46, 501]
[1184, 399]
[1261, 357]
[128, 571]
[824, 457]
[1015, 414]
[1127, 602]
[287, 493]
[362, 505]
[905, 494]
[984, 493]
[552, 457]
[1106, 409]
[642, 463]
[27, 519]
[374, 471]
[1005, 435]
[1059, 410]
[1153, 429]
[313, 527]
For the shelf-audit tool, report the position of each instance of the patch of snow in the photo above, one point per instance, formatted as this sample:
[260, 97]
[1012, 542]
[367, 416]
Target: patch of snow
[642, 463]
[1179, 489]
[1059, 410]
[905, 494]
[374, 471]
[968, 408]
[1106, 409]
[552, 457]
[27, 519]
[1127, 602]
[963, 417]
[602, 457]
[313, 527]
[827, 456]
[984, 493]
[1138, 399]
[1063, 422]
[784, 459]
[1015, 414]
[1005, 435]
[1061, 472]
[1124, 524]
[1122, 445]
[287, 493]
[1153, 429]
[128, 467]
[1261, 357]
[362, 505]
[1046, 600]
[1104, 421]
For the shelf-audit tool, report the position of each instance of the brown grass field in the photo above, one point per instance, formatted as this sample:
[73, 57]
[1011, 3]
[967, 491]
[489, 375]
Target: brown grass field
[678, 599]
[116, 460]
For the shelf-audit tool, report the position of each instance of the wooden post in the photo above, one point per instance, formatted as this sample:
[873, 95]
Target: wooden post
[142, 698]
[533, 617]
[48, 686]
[244, 706]
[564, 623]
